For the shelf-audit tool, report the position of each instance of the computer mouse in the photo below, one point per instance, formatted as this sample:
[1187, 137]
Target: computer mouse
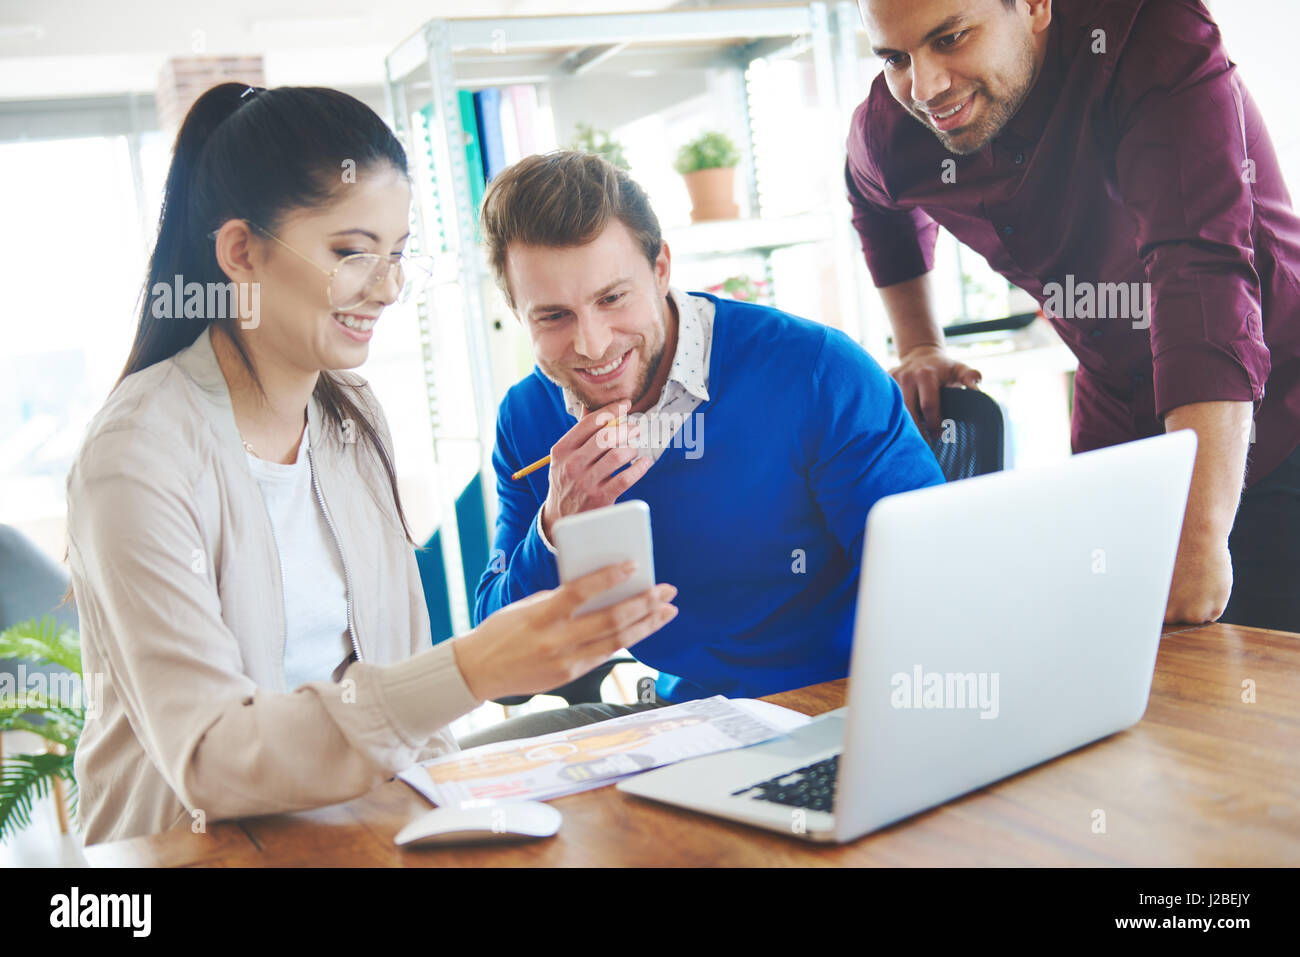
[481, 821]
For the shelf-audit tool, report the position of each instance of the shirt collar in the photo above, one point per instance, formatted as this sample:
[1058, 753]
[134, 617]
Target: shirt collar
[692, 340]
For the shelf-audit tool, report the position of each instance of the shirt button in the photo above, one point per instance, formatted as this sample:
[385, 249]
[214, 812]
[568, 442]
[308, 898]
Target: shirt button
[1008, 230]
[1096, 333]
[1020, 159]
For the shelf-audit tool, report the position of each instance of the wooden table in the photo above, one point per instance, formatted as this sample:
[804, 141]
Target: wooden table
[1205, 778]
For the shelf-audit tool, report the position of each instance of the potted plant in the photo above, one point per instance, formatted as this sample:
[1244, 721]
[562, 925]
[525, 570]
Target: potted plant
[708, 164]
[588, 139]
[742, 288]
[25, 778]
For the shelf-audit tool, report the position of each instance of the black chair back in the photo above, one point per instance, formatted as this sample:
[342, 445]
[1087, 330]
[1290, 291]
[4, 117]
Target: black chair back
[973, 434]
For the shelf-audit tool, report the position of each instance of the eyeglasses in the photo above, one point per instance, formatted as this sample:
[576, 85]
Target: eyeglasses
[356, 277]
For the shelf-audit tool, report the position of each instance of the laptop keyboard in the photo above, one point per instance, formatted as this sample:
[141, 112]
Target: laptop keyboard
[811, 787]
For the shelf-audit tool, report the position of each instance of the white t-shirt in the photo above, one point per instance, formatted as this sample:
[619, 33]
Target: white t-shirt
[315, 597]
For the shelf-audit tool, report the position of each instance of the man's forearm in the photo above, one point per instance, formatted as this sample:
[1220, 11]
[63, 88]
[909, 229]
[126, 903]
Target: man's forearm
[1223, 439]
[911, 314]
[1202, 582]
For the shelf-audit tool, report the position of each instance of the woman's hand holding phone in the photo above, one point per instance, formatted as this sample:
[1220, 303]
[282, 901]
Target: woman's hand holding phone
[537, 643]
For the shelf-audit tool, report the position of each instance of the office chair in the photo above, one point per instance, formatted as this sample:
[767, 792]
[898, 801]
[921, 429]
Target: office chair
[433, 578]
[475, 536]
[471, 524]
[973, 436]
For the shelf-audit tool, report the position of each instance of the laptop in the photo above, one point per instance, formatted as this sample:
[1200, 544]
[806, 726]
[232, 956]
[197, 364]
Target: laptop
[1002, 621]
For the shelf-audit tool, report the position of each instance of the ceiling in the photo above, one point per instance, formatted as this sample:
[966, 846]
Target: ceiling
[79, 48]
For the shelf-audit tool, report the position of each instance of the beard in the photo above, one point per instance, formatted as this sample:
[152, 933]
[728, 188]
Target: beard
[995, 113]
[651, 361]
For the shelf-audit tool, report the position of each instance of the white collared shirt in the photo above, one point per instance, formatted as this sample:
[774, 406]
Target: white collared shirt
[685, 391]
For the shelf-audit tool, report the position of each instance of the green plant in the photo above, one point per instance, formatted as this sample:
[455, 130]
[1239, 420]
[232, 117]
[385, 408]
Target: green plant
[25, 778]
[711, 150]
[743, 288]
[587, 139]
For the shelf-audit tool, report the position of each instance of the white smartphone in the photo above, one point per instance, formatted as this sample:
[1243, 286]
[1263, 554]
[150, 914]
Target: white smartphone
[589, 541]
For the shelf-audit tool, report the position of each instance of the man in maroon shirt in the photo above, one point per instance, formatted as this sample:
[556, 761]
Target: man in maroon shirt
[1104, 156]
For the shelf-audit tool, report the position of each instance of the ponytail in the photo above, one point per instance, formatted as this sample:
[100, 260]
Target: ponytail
[180, 249]
[248, 153]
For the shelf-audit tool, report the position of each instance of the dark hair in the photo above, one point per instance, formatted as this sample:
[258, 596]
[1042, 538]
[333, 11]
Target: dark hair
[255, 154]
[563, 198]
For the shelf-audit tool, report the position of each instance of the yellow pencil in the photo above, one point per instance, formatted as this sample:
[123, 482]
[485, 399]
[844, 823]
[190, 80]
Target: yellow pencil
[546, 459]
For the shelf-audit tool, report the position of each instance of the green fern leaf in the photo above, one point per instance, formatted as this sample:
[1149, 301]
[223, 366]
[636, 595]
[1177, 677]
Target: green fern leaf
[60, 724]
[44, 641]
[24, 779]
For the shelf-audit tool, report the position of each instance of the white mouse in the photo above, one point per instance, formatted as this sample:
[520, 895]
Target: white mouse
[481, 821]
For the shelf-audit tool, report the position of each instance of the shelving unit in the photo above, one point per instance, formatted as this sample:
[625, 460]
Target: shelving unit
[731, 236]
[716, 46]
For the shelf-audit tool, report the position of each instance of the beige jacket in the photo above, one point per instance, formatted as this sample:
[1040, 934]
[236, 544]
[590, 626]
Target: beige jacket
[178, 588]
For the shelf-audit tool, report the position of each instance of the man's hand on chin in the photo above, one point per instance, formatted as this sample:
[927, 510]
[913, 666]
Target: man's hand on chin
[1202, 583]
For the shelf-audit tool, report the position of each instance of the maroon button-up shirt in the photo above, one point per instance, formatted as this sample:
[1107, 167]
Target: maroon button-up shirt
[1147, 162]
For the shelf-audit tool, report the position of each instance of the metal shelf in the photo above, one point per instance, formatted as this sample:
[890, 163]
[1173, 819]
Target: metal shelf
[732, 236]
[427, 70]
[572, 43]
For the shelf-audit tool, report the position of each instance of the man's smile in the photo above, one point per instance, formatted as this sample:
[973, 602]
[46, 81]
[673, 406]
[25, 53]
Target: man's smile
[605, 373]
[952, 116]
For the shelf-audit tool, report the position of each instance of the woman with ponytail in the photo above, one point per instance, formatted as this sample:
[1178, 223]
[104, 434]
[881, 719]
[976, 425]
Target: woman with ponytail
[246, 584]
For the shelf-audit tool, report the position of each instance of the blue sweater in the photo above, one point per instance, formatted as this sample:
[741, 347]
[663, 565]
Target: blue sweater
[761, 527]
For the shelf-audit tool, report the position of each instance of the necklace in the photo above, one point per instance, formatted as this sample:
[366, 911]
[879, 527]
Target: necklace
[250, 450]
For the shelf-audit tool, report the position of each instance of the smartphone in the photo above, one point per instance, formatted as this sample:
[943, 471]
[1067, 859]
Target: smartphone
[589, 541]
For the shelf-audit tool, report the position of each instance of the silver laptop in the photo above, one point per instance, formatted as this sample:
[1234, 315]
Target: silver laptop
[1001, 621]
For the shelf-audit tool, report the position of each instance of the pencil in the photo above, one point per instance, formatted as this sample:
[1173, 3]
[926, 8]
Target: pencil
[545, 460]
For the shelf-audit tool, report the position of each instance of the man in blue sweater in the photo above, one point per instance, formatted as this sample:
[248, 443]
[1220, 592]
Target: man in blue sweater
[758, 519]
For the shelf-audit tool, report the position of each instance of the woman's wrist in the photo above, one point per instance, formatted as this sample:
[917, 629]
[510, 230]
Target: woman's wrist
[424, 692]
[467, 651]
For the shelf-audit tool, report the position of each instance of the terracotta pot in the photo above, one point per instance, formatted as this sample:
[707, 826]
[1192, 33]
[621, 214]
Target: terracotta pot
[712, 194]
